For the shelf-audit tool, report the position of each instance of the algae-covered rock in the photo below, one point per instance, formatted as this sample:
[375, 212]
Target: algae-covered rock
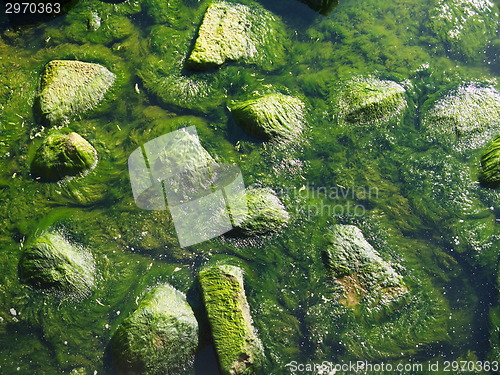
[490, 165]
[70, 88]
[62, 155]
[366, 100]
[264, 213]
[237, 32]
[465, 118]
[160, 337]
[51, 263]
[271, 116]
[464, 26]
[359, 269]
[238, 348]
[322, 6]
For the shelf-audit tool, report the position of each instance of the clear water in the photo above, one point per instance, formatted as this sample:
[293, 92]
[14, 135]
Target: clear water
[402, 191]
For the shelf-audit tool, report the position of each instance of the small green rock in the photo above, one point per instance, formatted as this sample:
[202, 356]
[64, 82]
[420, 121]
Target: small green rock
[367, 100]
[236, 32]
[464, 26]
[464, 118]
[51, 263]
[271, 116]
[490, 165]
[159, 338]
[238, 348]
[62, 155]
[265, 213]
[358, 267]
[70, 88]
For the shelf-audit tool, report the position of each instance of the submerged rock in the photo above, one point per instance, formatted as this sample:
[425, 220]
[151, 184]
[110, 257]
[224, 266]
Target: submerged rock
[160, 337]
[62, 155]
[51, 263]
[464, 26]
[70, 88]
[271, 116]
[264, 213]
[359, 269]
[490, 165]
[365, 100]
[236, 32]
[238, 348]
[465, 118]
[322, 6]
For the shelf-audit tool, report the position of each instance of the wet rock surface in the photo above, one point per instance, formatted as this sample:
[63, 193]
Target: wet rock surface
[366, 100]
[264, 213]
[464, 26]
[53, 264]
[236, 32]
[70, 88]
[238, 348]
[490, 165]
[464, 118]
[274, 116]
[63, 155]
[160, 337]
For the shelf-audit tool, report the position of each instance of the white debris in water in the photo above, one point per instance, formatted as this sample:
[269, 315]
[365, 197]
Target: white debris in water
[13, 312]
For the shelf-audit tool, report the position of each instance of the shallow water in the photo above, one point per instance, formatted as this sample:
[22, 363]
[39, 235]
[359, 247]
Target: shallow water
[416, 201]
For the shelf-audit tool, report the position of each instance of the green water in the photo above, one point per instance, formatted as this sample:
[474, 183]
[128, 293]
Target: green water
[409, 195]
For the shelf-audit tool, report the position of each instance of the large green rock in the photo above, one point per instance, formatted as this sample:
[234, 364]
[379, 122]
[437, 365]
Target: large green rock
[238, 348]
[264, 213]
[358, 268]
[366, 100]
[70, 88]
[322, 6]
[271, 116]
[237, 32]
[464, 26]
[51, 263]
[490, 165]
[62, 155]
[160, 337]
[464, 118]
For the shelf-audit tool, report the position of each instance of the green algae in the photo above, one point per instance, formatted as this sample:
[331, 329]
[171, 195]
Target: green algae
[160, 337]
[238, 348]
[62, 155]
[466, 117]
[51, 263]
[368, 37]
[464, 26]
[274, 116]
[365, 100]
[490, 165]
[69, 88]
[236, 32]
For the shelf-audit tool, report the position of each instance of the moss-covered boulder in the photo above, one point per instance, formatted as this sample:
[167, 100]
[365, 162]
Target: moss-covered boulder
[238, 348]
[264, 213]
[236, 32]
[358, 268]
[273, 116]
[490, 165]
[53, 264]
[464, 118]
[322, 6]
[464, 26]
[160, 337]
[62, 155]
[70, 88]
[367, 100]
